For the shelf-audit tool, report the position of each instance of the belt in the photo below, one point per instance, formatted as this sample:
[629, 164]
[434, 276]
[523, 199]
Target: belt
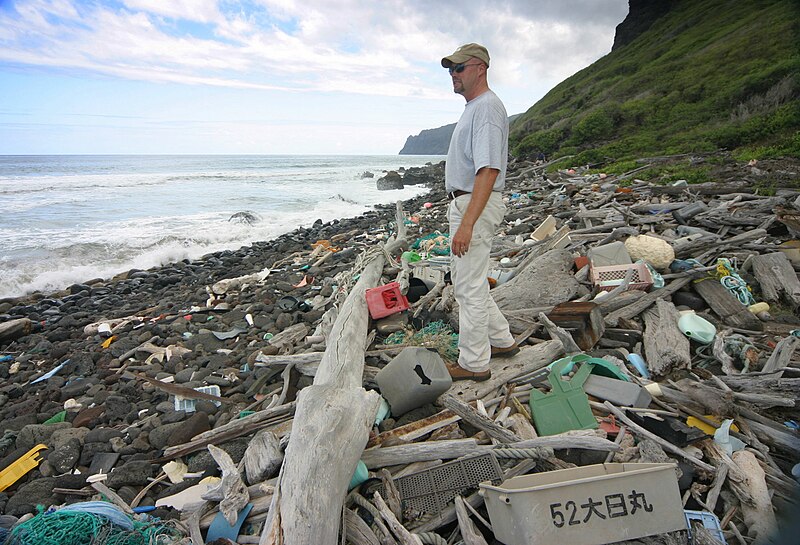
[457, 193]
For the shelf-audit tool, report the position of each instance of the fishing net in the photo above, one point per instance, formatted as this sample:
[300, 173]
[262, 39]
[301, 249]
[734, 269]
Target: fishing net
[435, 243]
[64, 527]
[436, 335]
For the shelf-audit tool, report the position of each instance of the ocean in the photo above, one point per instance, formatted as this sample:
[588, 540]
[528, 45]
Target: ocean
[69, 219]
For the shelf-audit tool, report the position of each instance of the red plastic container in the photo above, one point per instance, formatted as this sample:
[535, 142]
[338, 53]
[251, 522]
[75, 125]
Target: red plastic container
[385, 300]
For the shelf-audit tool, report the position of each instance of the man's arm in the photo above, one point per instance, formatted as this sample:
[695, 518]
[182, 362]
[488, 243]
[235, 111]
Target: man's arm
[482, 190]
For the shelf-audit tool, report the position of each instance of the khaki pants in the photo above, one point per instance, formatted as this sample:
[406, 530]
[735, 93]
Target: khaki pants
[481, 325]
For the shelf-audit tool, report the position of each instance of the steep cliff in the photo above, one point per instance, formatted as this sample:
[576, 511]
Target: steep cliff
[684, 77]
[429, 141]
[641, 15]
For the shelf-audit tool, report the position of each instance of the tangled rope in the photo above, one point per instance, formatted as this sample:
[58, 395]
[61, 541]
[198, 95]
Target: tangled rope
[727, 274]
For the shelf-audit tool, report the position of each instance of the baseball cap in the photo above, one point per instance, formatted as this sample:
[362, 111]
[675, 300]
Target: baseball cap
[466, 52]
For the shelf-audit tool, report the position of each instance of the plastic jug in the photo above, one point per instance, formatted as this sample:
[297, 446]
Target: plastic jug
[566, 407]
[415, 377]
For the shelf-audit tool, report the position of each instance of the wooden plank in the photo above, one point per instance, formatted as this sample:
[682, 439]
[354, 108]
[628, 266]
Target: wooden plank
[777, 278]
[726, 305]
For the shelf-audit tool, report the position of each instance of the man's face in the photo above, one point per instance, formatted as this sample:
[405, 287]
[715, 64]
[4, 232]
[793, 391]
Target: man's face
[465, 76]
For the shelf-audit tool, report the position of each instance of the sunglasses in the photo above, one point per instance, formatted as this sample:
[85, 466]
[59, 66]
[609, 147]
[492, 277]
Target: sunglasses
[458, 68]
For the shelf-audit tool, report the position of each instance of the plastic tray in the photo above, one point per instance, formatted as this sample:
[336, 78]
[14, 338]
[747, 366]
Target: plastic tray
[430, 491]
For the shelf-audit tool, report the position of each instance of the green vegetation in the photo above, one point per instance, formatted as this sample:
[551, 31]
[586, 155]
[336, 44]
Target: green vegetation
[710, 75]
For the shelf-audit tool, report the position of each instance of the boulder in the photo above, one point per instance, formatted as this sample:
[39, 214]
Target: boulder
[392, 180]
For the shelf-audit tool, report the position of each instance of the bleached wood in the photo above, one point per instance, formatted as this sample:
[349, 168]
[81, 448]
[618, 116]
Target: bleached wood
[469, 533]
[332, 422]
[529, 359]
[665, 346]
[403, 536]
[419, 452]
[638, 306]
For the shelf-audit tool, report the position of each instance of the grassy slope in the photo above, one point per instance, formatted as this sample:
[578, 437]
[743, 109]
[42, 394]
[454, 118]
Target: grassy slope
[710, 74]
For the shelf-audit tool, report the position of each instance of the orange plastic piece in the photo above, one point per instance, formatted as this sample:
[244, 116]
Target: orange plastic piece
[20, 467]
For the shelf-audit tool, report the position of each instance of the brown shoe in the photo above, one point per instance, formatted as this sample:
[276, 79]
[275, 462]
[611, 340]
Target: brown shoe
[459, 373]
[506, 352]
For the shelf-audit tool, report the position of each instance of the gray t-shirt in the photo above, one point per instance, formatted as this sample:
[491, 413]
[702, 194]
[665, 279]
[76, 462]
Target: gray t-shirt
[479, 140]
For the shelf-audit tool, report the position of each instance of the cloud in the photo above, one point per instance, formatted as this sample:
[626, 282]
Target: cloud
[191, 10]
[386, 48]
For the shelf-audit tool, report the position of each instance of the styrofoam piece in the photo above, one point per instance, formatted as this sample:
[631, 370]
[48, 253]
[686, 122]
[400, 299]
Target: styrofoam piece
[589, 505]
[187, 404]
[545, 229]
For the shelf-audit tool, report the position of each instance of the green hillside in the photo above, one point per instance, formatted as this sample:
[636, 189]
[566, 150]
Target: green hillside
[707, 75]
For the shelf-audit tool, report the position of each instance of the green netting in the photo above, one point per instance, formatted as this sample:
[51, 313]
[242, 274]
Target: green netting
[81, 528]
[435, 243]
[436, 335]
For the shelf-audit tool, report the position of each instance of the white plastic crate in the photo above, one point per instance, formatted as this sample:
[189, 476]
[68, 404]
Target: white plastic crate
[589, 505]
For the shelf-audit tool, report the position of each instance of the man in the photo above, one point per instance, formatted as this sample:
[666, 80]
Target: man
[474, 176]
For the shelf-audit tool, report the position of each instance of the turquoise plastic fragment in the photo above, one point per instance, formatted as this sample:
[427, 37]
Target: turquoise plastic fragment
[599, 366]
[359, 476]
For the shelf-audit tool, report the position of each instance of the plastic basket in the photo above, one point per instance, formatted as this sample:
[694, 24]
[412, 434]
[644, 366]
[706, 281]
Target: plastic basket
[608, 278]
[430, 491]
[710, 522]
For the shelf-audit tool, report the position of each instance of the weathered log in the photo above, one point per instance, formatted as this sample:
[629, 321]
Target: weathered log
[765, 383]
[232, 430]
[665, 346]
[548, 280]
[777, 278]
[637, 307]
[418, 452]
[712, 243]
[403, 536]
[469, 534]
[781, 355]
[332, 424]
[634, 427]
[529, 359]
[263, 456]
[358, 531]
[757, 507]
[726, 305]
[231, 491]
[559, 334]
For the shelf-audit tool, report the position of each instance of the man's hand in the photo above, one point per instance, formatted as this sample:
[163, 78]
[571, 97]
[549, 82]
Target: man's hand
[460, 243]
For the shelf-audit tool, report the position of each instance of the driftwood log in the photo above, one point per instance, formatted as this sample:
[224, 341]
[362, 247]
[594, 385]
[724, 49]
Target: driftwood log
[665, 346]
[332, 423]
[777, 279]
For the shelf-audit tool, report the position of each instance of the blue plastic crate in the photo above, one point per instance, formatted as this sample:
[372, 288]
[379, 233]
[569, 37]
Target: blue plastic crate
[710, 523]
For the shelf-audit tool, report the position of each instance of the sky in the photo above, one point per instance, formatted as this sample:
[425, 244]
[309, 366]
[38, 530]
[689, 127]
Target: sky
[271, 76]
